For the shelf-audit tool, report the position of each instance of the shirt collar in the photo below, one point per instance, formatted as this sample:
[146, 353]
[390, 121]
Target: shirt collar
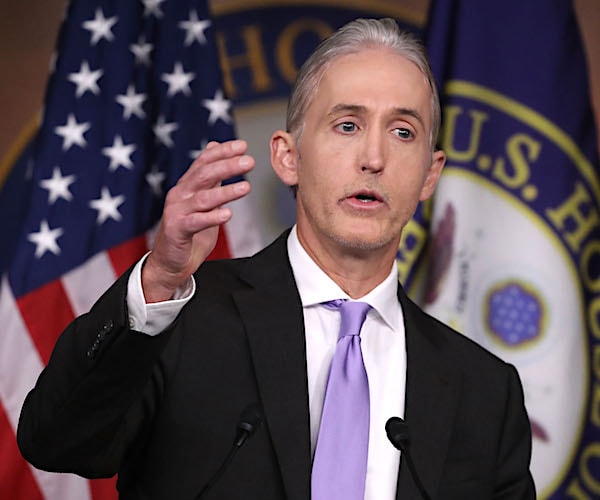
[315, 287]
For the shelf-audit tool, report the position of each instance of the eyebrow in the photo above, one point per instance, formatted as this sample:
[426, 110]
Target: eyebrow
[358, 108]
[347, 108]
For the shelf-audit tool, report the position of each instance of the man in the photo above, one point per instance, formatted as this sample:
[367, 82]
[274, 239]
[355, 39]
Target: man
[150, 384]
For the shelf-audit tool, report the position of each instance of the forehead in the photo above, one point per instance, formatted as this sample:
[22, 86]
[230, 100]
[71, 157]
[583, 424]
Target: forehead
[377, 78]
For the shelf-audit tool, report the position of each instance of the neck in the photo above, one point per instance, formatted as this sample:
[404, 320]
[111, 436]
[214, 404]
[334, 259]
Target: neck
[355, 271]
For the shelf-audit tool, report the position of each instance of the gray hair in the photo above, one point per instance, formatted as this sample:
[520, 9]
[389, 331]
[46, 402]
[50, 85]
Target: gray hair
[350, 39]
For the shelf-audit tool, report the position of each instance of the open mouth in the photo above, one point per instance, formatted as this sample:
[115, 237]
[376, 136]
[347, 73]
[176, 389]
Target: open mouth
[367, 197]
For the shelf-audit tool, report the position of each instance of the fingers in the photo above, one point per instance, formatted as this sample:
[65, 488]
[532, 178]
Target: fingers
[196, 210]
[196, 202]
[205, 208]
[196, 222]
[217, 163]
[200, 189]
[231, 148]
[221, 195]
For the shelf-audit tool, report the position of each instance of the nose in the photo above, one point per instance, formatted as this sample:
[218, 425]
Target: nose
[373, 154]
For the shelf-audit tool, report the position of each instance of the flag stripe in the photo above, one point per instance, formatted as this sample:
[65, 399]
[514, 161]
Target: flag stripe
[20, 362]
[221, 250]
[47, 312]
[103, 489]
[20, 365]
[16, 478]
[121, 256]
[82, 291]
[62, 486]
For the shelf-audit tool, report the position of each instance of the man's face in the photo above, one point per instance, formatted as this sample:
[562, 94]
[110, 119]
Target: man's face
[364, 157]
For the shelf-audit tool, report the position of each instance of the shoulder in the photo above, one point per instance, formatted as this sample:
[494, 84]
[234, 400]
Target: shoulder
[488, 386]
[455, 348]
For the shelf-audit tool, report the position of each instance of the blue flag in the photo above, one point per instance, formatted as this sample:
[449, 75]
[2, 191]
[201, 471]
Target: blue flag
[513, 252]
[134, 94]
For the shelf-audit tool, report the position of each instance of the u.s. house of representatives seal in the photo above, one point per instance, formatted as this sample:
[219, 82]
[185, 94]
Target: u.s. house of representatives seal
[513, 259]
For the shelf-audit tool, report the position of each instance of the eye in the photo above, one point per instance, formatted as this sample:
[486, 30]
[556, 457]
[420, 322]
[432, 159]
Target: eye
[346, 127]
[403, 133]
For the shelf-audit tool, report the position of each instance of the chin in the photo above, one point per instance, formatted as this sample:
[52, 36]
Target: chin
[361, 241]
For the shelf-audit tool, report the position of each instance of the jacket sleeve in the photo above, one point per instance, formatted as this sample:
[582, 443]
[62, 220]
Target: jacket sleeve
[96, 395]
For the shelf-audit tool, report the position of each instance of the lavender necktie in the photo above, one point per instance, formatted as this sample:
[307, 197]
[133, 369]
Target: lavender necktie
[340, 462]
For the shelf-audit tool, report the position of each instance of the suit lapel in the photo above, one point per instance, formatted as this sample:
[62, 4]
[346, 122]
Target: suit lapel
[432, 390]
[272, 315]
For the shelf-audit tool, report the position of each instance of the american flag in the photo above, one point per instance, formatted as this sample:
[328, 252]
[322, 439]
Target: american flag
[134, 94]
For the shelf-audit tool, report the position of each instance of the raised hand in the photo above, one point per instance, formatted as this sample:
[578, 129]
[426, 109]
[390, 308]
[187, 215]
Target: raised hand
[192, 215]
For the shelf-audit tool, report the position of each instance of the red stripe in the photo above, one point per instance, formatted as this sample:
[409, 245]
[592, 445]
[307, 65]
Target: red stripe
[46, 312]
[221, 250]
[104, 489]
[16, 478]
[125, 254]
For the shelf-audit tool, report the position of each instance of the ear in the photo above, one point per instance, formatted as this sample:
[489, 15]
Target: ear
[284, 157]
[438, 159]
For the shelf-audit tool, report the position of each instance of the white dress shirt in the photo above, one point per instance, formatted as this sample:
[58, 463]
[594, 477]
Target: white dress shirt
[384, 354]
[382, 342]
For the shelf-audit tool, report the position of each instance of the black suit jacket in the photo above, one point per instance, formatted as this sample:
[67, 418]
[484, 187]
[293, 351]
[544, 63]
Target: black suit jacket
[162, 411]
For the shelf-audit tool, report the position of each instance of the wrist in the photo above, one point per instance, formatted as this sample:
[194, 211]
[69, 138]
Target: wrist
[158, 285]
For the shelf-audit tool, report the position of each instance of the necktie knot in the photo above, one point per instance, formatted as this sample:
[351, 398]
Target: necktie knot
[353, 315]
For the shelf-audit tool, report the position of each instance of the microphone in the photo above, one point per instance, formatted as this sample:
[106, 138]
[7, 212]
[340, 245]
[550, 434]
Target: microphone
[397, 432]
[250, 421]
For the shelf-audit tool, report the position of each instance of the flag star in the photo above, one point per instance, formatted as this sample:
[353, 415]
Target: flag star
[107, 206]
[141, 51]
[72, 132]
[86, 80]
[45, 239]
[100, 27]
[194, 29]
[132, 103]
[154, 179]
[218, 107]
[178, 81]
[58, 186]
[164, 130]
[194, 153]
[152, 8]
[119, 154]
